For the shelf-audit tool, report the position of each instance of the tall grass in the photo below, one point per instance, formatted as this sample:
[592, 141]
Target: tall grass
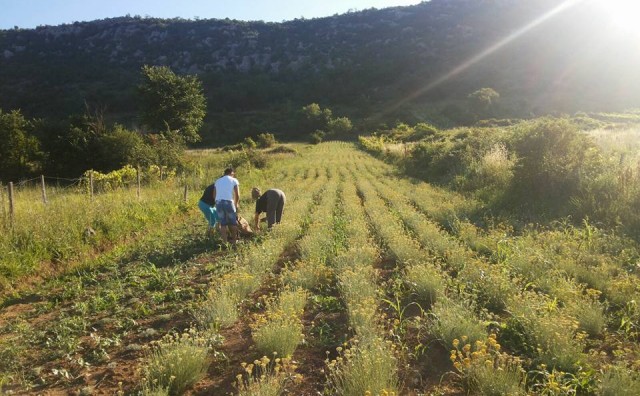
[71, 226]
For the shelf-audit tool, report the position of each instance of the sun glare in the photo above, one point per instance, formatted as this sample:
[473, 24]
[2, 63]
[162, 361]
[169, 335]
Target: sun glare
[624, 13]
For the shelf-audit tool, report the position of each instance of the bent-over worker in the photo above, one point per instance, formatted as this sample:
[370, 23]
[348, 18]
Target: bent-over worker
[272, 202]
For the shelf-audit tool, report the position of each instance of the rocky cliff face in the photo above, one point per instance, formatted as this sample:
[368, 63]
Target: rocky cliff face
[382, 54]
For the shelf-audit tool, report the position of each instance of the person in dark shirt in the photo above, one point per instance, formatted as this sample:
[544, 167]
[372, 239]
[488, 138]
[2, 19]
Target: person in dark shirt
[207, 205]
[272, 202]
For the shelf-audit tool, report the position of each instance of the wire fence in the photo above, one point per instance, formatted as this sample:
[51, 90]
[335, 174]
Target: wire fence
[44, 189]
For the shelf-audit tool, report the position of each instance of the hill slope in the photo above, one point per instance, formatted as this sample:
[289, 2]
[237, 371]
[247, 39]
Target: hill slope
[361, 62]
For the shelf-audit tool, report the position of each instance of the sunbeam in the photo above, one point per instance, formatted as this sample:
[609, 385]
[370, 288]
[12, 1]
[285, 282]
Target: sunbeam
[482, 55]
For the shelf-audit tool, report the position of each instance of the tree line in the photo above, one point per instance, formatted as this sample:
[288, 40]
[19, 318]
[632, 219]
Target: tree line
[172, 109]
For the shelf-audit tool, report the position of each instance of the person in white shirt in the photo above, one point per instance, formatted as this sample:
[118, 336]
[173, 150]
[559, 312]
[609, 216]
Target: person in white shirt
[227, 193]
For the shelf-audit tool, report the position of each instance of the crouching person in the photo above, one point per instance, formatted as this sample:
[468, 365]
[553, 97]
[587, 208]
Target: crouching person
[207, 205]
[272, 202]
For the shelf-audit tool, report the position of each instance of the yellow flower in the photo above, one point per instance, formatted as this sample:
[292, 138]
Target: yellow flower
[456, 342]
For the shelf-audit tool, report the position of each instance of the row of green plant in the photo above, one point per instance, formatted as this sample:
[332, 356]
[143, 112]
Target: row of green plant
[585, 267]
[495, 288]
[451, 315]
[249, 268]
[278, 331]
[368, 363]
[109, 293]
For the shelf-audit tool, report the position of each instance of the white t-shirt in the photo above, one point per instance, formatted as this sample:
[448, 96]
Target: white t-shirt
[224, 188]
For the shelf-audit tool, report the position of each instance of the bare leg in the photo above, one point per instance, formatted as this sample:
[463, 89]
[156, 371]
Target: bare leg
[234, 234]
[223, 234]
[279, 210]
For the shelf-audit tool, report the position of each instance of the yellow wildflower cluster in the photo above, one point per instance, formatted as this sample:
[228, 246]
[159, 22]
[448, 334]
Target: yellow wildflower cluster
[484, 352]
[266, 376]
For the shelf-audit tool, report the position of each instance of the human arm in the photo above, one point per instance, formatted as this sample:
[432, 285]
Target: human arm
[256, 221]
[236, 196]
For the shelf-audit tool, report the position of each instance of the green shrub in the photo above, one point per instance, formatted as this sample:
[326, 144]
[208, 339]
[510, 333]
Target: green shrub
[249, 143]
[278, 333]
[339, 126]
[554, 158]
[317, 137]
[620, 381]
[265, 377]
[426, 282]
[485, 370]
[219, 310]
[365, 368]
[453, 320]
[266, 140]
[177, 362]
[248, 158]
[305, 275]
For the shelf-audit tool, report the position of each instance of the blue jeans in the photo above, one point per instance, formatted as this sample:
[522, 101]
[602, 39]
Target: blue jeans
[209, 213]
[226, 213]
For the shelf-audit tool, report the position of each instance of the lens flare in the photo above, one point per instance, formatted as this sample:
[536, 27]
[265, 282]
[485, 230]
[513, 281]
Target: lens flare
[624, 13]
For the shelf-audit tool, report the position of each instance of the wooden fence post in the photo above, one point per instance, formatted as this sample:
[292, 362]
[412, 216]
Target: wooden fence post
[138, 180]
[11, 204]
[4, 210]
[44, 190]
[91, 185]
[186, 189]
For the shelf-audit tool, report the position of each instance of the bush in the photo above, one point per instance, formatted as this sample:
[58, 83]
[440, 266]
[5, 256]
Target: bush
[317, 137]
[426, 282]
[266, 140]
[266, 377]
[248, 159]
[485, 370]
[249, 143]
[554, 158]
[422, 130]
[366, 368]
[283, 150]
[453, 320]
[620, 381]
[177, 362]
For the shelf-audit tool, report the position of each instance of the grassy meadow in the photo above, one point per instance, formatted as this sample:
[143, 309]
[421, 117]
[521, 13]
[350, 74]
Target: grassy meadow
[376, 283]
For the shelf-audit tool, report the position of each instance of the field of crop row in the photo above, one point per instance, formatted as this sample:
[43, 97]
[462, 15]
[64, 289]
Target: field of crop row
[373, 284]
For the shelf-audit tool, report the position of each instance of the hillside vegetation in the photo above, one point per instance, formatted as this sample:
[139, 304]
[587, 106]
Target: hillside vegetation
[365, 64]
[582, 168]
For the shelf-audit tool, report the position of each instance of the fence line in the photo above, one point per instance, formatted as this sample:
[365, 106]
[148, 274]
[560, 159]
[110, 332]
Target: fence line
[40, 183]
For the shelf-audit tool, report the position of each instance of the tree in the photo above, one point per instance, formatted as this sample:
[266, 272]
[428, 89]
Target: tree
[312, 111]
[484, 98]
[340, 126]
[20, 150]
[316, 117]
[172, 103]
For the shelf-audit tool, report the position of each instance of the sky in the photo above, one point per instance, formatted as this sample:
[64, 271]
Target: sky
[28, 14]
